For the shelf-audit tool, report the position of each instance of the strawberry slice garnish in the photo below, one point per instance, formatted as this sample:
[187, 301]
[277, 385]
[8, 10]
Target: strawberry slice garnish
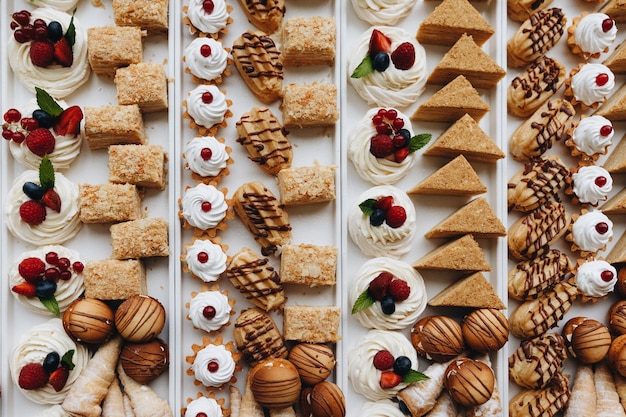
[24, 288]
[52, 200]
[389, 379]
[58, 378]
[379, 42]
[63, 52]
[68, 122]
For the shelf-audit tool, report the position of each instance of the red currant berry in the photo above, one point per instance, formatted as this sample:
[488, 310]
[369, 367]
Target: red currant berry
[607, 24]
[29, 31]
[382, 128]
[607, 276]
[64, 264]
[377, 119]
[41, 33]
[208, 6]
[29, 124]
[398, 123]
[78, 267]
[602, 79]
[213, 366]
[14, 25]
[40, 23]
[205, 51]
[7, 134]
[602, 228]
[203, 257]
[382, 112]
[52, 274]
[206, 206]
[606, 130]
[22, 17]
[206, 153]
[20, 36]
[207, 98]
[52, 258]
[208, 312]
[65, 275]
[600, 181]
[12, 116]
[18, 137]
[392, 114]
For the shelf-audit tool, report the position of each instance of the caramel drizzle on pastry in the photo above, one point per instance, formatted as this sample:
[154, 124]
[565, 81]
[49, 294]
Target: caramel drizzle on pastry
[440, 340]
[488, 327]
[531, 278]
[255, 279]
[555, 125]
[260, 208]
[546, 29]
[259, 338]
[261, 9]
[541, 180]
[259, 56]
[538, 316]
[542, 403]
[538, 360]
[543, 225]
[540, 77]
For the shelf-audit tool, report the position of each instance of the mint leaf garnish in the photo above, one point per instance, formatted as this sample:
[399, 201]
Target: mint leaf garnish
[47, 103]
[51, 304]
[364, 301]
[67, 361]
[414, 376]
[70, 35]
[46, 173]
[419, 141]
[366, 67]
[367, 207]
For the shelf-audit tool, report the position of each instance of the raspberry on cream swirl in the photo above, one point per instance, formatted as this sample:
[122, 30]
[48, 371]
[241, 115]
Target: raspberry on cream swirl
[207, 105]
[206, 260]
[206, 156]
[592, 83]
[213, 366]
[382, 12]
[204, 406]
[209, 310]
[592, 184]
[592, 231]
[57, 80]
[593, 135]
[205, 58]
[595, 33]
[203, 206]
[596, 278]
[211, 19]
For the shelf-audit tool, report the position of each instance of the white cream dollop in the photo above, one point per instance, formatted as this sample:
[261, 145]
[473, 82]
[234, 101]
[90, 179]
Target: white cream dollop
[364, 377]
[590, 35]
[58, 81]
[382, 12]
[406, 312]
[208, 23]
[208, 406]
[585, 235]
[205, 67]
[586, 188]
[589, 278]
[61, 5]
[585, 87]
[392, 87]
[382, 408]
[196, 163]
[376, 170]
[215, 265]
[215, 299]
[192, 203]
[225, 368]
[382, 240]
[587, 136]
[58, 227]
[34, 345]
[207, 114]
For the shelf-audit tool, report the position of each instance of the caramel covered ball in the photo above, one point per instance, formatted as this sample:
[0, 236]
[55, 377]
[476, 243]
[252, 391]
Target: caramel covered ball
[617, 317]
[586, 339]
[617, 355]
[275, 383]
[89, 320]
[621, 280]
[469, 382]
[140, 318]
[327, 400]
[144, 362]
[314, 362]
[485, 330]
[438, 338]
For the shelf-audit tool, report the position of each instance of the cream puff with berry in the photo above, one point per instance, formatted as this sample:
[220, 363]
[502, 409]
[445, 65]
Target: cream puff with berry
[213, 363]
[590, 232]
[207, 108]
[589, 85]
[48, 49]
[591, 34]
[382, 146]
[595, 279]
[204, 209]
[209, 18]
[590, 137]
[43, 207]
[210, 310]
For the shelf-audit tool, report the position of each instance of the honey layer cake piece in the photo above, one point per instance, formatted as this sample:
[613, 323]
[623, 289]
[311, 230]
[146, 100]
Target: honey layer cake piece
[151, 15]
[310, 105]
[311, 324]
[462, 254]
[142, 165]
[457, 177]
[306, 185]
[114, 279]
[450, 20]
[111, 125]
[309, 41]
[308, 265]
[109, 203]
[615, 204]
[472, 291]
[617, 60]
[616, 161]
[618, 251]
[616, 9]
[113, 47]
[615, 107]
[476, 218]
[141, 238]
[144, 84]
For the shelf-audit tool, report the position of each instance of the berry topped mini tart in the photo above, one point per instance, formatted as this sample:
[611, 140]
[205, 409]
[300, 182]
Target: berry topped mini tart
[44, 127]
[589, 85]
[207, 60]
[591, 34]
[210, 310]
[207, 17]
[589, 232]
[43, 207]
[213, 363]
[387, 67]
[204, 208]
[205, 259]
[588, 185]
[207, 405]
[590, 137]
[207, 108]
[594, 279]
[48, 49]
[207, 157]
[382, 146]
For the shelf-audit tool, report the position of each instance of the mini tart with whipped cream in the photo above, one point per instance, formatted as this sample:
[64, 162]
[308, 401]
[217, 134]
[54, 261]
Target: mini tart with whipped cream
[387, 294]
[66, 43]
[588, 185]
[53, 272]
[204, 208]
[207, 60]
[387, 67]
[382, 146]
[590, 137]
[382, 222]
[594, 279]
[588, 85]
[205, 405]
[210, 309]
[213, 363]
[207, 157]
[382, 12]
[207, 108]
[205, 259]
[589, 232]
[591, 34]
[207, 18]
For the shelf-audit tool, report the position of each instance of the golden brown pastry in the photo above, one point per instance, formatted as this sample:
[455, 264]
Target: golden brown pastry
[582, 402]
[257, 337]
[541, 403]
[586, 339]
[537, 361]
[536, 36]
[520, 10]
[485, 330]
[538, 181]
[267, 15]
[531, 278]
[535, 85]
[438, 338]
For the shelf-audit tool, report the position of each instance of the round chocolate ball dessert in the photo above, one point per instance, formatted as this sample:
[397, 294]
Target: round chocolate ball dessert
[586, 339]
[314, 361]
[617, 317]
[89, 320]
[144, 362]
[275, 383]
[327, 400]
[485, 330]
[469, 382]
[438, 338]
[140, 318]
[617, 355]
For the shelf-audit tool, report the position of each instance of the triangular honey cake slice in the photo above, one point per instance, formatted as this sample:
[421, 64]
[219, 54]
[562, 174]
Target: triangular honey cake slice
[451, 102]
[462, 254]
[616, 9]
[615, 107]
[618, 252]
[465, 137]
[615, 204]
[616, 162]
[617, 60]
[467, 58]
[476, 218]
[472, 291]
[457, 177]
[450, 20]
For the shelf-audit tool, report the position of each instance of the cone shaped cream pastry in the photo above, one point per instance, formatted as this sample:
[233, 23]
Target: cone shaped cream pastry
[582, 403]
[93, 383]
[546, 402]
[128, 407]
[144, 400]
[608, 402]
[620, 384]
[444, 407]
[113, 404]
[284, 412]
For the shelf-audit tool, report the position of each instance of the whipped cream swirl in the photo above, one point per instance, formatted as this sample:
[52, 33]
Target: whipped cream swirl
[382, 12]
[208, 23]
[392, 87]
[215, 299]
[376, 170]
[61, 5]
[406, 312]
[364, 377]
[196, 163]
[585, 233]
[585, 86]
[34, 345]
[58, 227]
[382, 408]
[205, 67]
[204, 406]
[67, 290]
[58, 81]
[588, 137]
[225, 366]
[210, 270]
[207, 114]
[590, 35]
[197, 212]
[589, 278]
[382, 240]
[66, 148]
[588, 186]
